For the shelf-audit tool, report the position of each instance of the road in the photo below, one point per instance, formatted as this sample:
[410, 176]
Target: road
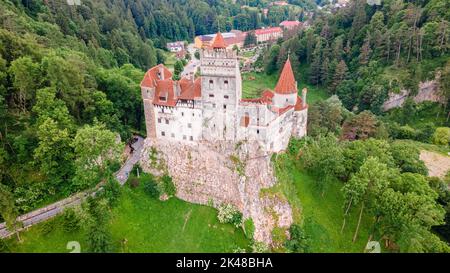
[54, 209]
[193, 64]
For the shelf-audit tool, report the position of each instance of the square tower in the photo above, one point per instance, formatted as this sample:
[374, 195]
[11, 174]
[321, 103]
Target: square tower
[221, 90]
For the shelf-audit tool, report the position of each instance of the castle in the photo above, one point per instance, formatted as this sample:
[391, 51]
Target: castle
[211, 107]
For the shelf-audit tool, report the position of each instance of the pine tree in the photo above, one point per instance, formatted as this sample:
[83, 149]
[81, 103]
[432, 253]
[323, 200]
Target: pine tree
[339, 75]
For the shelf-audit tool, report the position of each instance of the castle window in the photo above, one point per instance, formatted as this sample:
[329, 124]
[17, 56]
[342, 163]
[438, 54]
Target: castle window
[167, 121]
[162, 98]
[189, 125]
[211, 84]
[211, 95]
[214, 105]
[257, 131]
[226, 96]
[159, 120]
[226, 84]
[224, 106]
[163, 133]
[184, 137]
[191, 138]
[193, 114]
[182, 114]
[172, 135]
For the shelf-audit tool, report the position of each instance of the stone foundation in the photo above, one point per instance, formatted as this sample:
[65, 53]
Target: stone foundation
[221, 172]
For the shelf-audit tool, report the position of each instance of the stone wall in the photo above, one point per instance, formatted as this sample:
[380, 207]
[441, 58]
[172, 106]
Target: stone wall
[222, 172]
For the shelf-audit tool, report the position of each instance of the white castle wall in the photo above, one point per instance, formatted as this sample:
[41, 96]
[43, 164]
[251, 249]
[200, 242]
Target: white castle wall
[180, 123]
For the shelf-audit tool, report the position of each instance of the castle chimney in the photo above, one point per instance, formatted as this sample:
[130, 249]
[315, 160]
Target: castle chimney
[304, 91]
[161, 72]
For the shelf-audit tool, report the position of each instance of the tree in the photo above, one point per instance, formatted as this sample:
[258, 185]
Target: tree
[54, 153]
[325, 117]
[96, 150]
[8, 210]
[441, 136]
[323, 157]
[407, 158]
[24, 73]
[49, 106]
[99, 237]
[365, 187]
[299, 241]
[340, 74]
[178, 68]
[272, 59]
[361, 126]
[250, 39]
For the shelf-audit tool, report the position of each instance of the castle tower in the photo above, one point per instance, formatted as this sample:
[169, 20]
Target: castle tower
[286, 88]
[221, 90]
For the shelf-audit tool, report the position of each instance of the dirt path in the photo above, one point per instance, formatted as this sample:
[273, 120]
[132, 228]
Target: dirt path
[437, 164]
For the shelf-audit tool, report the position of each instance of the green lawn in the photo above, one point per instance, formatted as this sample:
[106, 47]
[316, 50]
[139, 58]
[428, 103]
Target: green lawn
[253, 84]
[321, 216]
[148, 225]
[170, 60]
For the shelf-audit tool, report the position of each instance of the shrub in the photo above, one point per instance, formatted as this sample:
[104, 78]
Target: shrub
[249, 228]
[441, 136]
[111, 192]
[259, 247]
[299, 241]
[134, 183]
[167, 186]
[70, 220]
[151, 188]
[229, 214]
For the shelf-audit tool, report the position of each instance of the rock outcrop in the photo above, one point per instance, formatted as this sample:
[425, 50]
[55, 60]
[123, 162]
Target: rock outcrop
[222, 172]
[428, 91]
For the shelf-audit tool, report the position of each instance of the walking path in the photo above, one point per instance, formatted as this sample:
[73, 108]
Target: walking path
[54, 209]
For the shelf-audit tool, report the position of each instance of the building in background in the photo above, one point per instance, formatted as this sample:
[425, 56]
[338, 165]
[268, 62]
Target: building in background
[232, 38]
[290, 25]
[265, 35]
[175, 46]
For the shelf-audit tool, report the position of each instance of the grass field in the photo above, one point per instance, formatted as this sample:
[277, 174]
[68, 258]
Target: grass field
[253, 84]
[148, 225]
[170, 60]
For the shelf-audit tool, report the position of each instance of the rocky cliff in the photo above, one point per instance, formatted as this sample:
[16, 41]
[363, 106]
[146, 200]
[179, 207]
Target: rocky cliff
[428, 91]
[222, 172]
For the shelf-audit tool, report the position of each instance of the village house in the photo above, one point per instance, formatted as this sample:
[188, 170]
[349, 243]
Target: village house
[211, 108]
[175, 46]
[290, 25]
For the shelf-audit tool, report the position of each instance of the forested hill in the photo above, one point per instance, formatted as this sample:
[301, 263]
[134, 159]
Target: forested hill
[362, 52]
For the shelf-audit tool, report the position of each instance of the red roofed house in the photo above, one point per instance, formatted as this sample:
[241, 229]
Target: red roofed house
[211, 108]
[290, 25]
[268, 34]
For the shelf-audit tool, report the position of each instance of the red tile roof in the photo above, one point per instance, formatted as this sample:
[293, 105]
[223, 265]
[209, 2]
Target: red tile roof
[299, 104]
[166, 90]
[290, 23]
[286, 83]
[165, 93]
[219, 42]
[266, 98]
[268, 30]
[152, 76]
[190, 90]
